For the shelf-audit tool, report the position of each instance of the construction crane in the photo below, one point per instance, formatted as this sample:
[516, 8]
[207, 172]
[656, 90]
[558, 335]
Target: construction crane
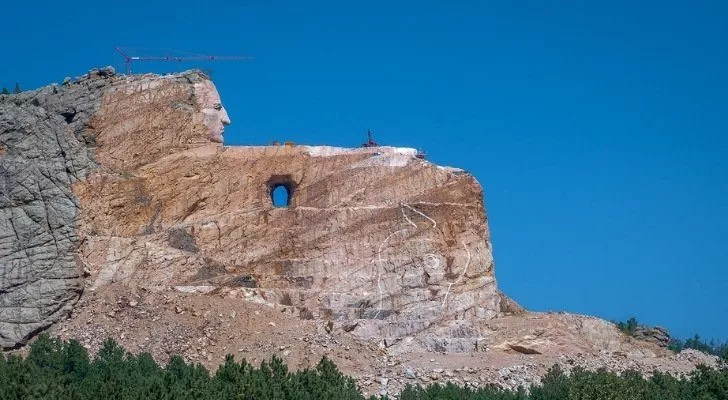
[128, 58]
[370, 140]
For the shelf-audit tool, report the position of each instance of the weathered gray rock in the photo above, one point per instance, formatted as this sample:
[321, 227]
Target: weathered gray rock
[657, 335]
[107, 71]
[44, 148]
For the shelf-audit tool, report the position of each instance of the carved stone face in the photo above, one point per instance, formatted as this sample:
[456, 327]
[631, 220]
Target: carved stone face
[213, 116]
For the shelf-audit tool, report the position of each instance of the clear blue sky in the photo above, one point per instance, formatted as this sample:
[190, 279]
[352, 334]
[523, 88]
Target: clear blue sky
[598, 131]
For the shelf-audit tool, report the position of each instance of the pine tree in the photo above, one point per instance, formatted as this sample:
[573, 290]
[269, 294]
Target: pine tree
[5, 91]
[17, 88]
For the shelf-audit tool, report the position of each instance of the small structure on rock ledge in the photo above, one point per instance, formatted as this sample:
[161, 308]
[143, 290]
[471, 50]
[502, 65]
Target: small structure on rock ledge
[370, 140]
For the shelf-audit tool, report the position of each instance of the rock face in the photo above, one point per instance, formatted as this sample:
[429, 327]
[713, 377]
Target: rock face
[125, 178]
[657, 335]
[44, 148]
[120, 207]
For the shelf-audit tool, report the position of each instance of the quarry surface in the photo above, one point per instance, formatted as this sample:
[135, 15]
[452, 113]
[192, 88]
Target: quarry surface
[123, 215]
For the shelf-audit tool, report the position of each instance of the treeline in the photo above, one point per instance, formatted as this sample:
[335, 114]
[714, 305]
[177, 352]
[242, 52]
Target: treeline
[54, 369]
[677, 345]
[60, 370]
[704, 383]
[16, 90]
[712, 347]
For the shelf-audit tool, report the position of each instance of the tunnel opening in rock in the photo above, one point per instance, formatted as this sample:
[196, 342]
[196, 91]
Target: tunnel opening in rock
[280, 190]
[280, 196]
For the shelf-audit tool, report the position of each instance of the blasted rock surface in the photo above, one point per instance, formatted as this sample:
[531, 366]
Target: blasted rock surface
[374, 238]
[47, 142]
[124, 179]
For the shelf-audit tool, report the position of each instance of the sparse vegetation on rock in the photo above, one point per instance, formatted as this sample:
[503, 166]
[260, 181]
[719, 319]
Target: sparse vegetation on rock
[627, 327]
[659, 335]
[697, 343]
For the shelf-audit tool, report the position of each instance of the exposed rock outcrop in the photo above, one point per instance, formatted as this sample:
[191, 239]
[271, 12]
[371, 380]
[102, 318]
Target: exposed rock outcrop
[45, 139]
[508, 306]
[120, 206]
[375, 239]
[657, 335]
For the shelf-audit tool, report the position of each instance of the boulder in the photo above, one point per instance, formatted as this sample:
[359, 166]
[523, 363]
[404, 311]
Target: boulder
[657, 335]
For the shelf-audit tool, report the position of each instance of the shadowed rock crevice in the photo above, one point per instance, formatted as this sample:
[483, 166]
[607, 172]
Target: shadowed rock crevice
[183, 240]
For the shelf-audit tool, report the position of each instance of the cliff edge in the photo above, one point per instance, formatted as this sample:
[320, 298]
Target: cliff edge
[123, 180]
